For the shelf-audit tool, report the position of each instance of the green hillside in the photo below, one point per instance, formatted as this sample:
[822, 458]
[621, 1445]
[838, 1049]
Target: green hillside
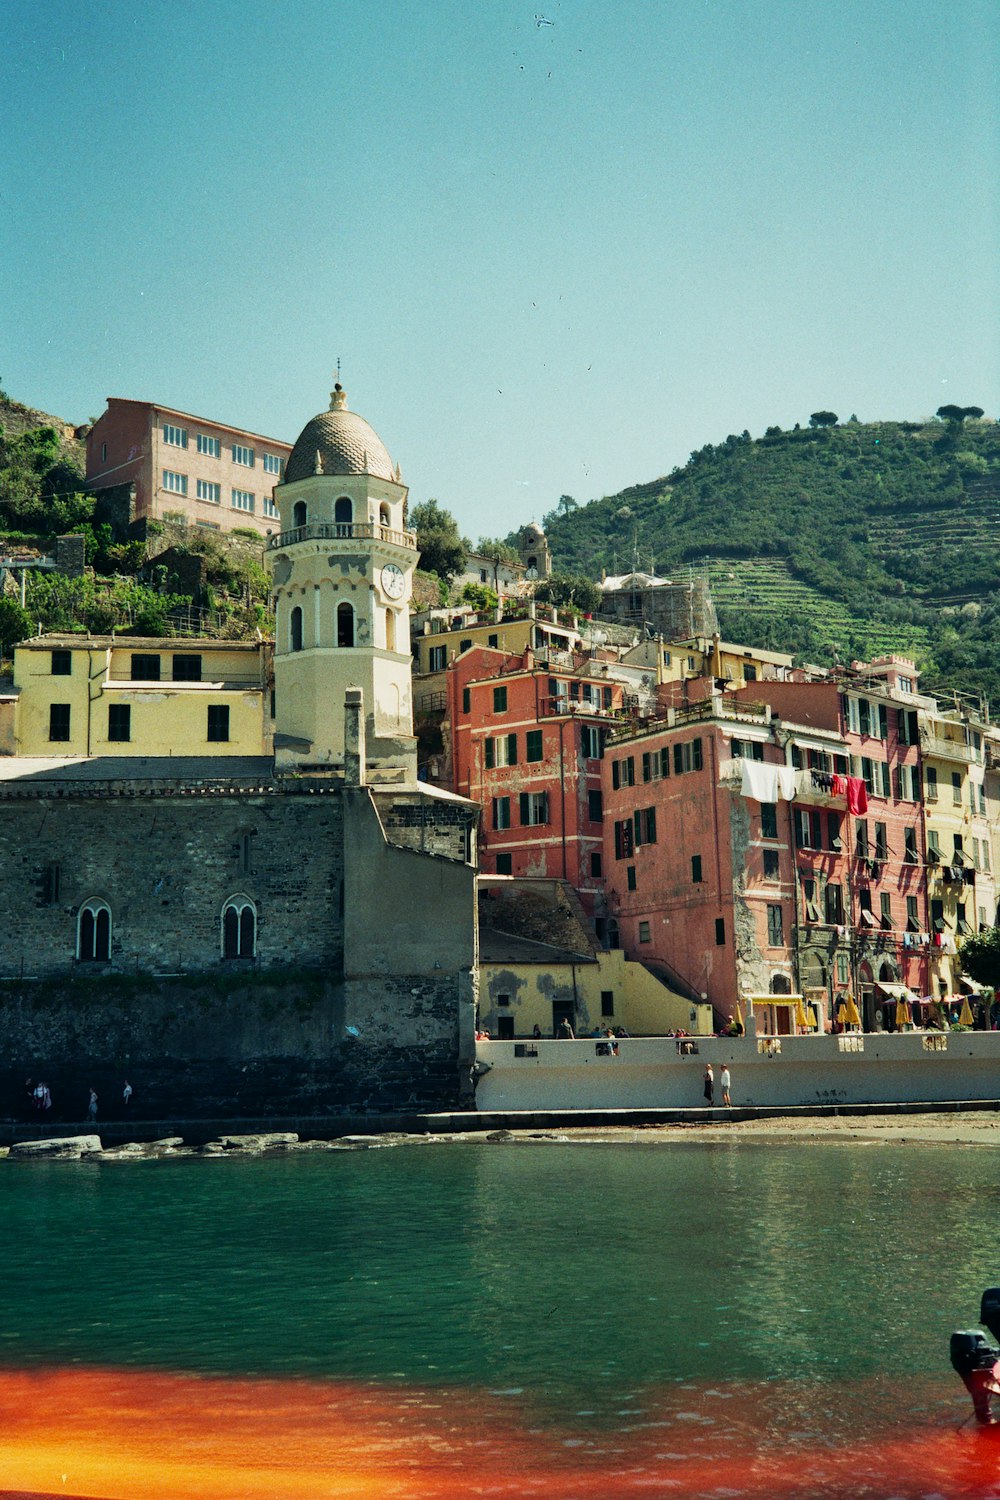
[831, 542]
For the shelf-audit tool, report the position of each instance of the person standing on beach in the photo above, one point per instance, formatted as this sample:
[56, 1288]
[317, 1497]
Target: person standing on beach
[709, 1090]
[725, 1080]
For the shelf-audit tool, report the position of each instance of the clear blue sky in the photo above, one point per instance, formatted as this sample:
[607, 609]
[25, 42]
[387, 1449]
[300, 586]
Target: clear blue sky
[551, 257]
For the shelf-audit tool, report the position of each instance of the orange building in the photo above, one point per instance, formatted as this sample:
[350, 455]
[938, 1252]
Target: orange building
[527, 743]
[187, 469]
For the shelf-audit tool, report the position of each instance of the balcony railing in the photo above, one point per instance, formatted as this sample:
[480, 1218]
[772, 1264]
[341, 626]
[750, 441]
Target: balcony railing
[208, 678]
[945, 749]
[342, 531]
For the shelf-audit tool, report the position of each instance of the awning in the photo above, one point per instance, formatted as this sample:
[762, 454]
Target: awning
[773, 999]
[897, 991]
[972, 985]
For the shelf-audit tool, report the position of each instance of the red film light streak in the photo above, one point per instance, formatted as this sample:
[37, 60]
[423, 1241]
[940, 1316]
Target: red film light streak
[120, 1435]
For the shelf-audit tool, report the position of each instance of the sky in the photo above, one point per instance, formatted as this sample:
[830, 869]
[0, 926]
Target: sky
[556, 246]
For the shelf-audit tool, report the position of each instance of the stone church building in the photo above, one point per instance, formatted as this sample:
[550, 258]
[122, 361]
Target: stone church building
[257, 935]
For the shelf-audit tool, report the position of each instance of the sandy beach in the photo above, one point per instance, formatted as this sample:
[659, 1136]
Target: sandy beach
[969, 1128]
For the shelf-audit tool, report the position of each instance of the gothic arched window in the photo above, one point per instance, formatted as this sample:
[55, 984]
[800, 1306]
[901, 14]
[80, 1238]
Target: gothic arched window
[384, 517]
[345, 624]
[93, 932]
[239, 928]
[295, 630]
[343, 511]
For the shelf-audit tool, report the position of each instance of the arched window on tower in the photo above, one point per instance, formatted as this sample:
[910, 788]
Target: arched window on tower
[299, 513]
[345, 624]
[93, 932]
[295, 630]
[384, 515]
[239, 928]
[343, 511]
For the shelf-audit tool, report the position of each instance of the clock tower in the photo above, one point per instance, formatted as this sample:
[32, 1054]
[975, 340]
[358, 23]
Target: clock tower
[341, 569]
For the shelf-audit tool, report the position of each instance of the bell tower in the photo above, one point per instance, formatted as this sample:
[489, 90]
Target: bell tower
[341, 570]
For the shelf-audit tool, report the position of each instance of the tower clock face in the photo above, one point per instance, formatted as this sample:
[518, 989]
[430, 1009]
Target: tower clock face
[393, 581]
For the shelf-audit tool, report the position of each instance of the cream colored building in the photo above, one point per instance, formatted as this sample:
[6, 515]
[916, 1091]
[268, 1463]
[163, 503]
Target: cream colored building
[141, 696]
[341, 573]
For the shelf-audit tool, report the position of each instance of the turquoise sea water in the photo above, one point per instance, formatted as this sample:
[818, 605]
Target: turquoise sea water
[802, 1294]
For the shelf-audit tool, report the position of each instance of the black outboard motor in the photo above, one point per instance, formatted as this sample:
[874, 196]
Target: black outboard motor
[977, 1361]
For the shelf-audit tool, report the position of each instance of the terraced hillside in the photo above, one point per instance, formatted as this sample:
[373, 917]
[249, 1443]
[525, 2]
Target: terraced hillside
[831, 542]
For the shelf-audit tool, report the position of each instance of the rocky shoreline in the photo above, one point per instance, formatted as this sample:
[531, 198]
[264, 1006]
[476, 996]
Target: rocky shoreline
[968, 1128]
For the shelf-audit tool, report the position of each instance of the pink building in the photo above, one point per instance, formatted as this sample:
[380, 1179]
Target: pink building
[767, 842]
[184, 468]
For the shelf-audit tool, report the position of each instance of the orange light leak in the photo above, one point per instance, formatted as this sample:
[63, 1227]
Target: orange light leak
[118, 1435]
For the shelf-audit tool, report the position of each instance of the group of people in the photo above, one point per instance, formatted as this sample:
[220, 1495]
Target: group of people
[725, 1082]
[39, 1097]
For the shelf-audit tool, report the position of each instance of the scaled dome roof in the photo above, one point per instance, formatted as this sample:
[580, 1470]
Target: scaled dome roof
[344, 443]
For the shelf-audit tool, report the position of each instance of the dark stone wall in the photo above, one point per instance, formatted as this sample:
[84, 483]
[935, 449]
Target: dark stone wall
[166, 865]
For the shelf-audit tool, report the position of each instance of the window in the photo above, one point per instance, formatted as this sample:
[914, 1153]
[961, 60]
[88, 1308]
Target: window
[492, 640]
[243, 455]
[466, 645]
[504, 864]
[591, 741]
[595, 807]
[466, 700]
[50, 885]
[345, 624]
[910, 846]
[623, 772]
[808, 828]
[93, 933]
[864, 717]
[959, 848]
[61, 664]
[630, 881]
[119, 721]
[176, 436]
[861, 838]
[343, 511]
[499, 698]
[501, 751]
[624, 845]
[881, 842]
[687, 757]
[295, 629]
[242, 500]
[933, 846]
[501, 812]
[534, 809]
[907, 784]
[775, 929]
[269, 508]
[769, 820]
[912, 919]
[771, 864]
[833, 901]
[720, 932]
[809, 905]
[104, 452]
[749, 672]
[503, 1000]
[833, 830]
[748, 749]
[644, 826]
[239, 928]
[696, 876]
[437, 659]
[931, 784]
[187, 668]
[210, 492]
[273, 464]
[956, 788]
[177, 483]
[58, 721]
[982, 916]
[647, 765]
[210, 446]
[843, 971]
[644, 932]
[937, 916]
[596, 868]
[868, 774]
[607, 1002]
[885, 901]
[218, 722]
[533, 745]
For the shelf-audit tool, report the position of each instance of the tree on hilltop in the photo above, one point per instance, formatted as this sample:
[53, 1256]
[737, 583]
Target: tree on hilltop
[958, 414]
[823, 419]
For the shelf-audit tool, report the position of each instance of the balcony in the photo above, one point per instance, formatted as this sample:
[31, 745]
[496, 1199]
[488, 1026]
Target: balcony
[561, 707]
[342, 531]
[944, 749]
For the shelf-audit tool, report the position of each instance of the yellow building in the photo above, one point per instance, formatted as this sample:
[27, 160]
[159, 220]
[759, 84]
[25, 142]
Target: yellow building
[141, 696]
[961, 890]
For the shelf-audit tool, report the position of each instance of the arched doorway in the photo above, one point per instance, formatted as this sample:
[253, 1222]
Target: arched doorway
[866, 985]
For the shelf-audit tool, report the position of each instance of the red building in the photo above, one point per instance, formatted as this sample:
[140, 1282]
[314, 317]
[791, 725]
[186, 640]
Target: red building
[527, 742]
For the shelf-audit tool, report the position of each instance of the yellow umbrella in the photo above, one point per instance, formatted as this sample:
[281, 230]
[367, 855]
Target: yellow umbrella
[851, 1017]
[739, 1018]
[800, 1013]
[902, 1014]
[966, 1018]
[811, 1018]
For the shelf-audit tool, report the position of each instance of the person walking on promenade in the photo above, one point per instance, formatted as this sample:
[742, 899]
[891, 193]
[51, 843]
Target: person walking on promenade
[725, 1081]
[127, 1097]
[709, 1084]
[92, 1106]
